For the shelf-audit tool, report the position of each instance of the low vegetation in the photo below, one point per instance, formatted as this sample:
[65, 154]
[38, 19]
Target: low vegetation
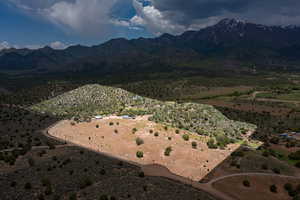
[91, 100]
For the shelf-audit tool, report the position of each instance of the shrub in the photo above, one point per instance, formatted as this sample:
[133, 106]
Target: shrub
[177, 131]
[156, 134]
[246, 183]
[56, 197]
[54, 158]
[298, 188]
[102, 172]
[186, 137]
[103, 197]
[111, 123]
[48, 190]
[13, 184]
[264, 167]
[27, 186]
[292, 193]
[168, 151]
[116, 131]
[97, 126]
[295, 155]
[222, 140]
[134, 130]
[31, 162]
[288, 187]
[141, 174]
[194, 145]
[73, 196]
[85, 182]
[139, 154]
[273, 188]
[274, 140]
[276, 170]
[40, 197]
[297, 164]
[166, 128]
[297, 197]
[266, 153]
[139, 141]
[211, 144]
[50, 145]
[237, 154]
[45, 182]
[151, 131]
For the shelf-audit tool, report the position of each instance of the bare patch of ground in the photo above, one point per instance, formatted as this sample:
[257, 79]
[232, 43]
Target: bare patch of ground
[259, 186]
[115, 137]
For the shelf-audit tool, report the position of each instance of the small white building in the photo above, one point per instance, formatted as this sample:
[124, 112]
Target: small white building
[98, 117]
[127, 117]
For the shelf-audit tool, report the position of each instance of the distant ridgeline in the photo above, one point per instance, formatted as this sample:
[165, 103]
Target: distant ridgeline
[92, 100]
[229, 45]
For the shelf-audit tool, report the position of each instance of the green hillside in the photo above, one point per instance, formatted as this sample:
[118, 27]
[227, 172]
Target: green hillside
[91, 100]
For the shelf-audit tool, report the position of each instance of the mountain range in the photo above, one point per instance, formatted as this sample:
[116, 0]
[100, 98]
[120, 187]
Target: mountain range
[228, 45]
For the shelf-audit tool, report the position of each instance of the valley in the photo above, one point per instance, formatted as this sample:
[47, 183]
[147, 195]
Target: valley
[204, 115]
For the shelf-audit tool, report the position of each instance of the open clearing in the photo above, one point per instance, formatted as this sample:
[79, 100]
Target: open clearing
[259, 186]
[115, 137]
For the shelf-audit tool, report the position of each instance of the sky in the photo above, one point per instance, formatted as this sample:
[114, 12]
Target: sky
[60, 23]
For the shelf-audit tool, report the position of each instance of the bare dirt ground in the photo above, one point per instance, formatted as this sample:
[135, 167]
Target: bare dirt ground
[259, 186]
[119, 141]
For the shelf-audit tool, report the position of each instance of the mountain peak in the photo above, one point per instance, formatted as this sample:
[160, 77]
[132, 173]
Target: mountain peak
[230, 22]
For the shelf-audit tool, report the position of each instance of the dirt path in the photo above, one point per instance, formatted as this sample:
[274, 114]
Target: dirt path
[157, 170]
[39, 147]
[154, 170]
[252, 174]
[161, 171]
[254, 97]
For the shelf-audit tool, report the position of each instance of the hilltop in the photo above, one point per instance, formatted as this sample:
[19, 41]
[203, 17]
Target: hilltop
[90, 100]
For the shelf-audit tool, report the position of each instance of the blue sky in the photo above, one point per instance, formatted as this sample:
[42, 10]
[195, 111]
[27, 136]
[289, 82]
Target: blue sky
[21, 29]
[25, 29]
[59, 23]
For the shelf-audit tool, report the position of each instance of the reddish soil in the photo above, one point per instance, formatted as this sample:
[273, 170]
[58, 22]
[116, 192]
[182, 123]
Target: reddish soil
[259, 187]
[184, 160]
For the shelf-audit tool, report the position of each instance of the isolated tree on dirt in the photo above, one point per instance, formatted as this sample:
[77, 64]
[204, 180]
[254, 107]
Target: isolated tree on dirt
[246, 183]
[139, 154]
[168, 151]
[288, 187]
[139, 141]
[186, 137]
[273, 188]
[194, 145]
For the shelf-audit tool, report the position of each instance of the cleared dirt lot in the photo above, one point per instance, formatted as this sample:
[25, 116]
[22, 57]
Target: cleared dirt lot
[259, 186]
[118, 140]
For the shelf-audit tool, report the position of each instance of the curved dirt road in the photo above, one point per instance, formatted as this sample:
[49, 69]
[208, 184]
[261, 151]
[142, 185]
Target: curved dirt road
[156, 170]
[254, 97]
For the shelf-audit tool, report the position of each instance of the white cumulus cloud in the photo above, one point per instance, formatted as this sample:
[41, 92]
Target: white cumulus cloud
[4, 45]
[153, 19]
[58, 45]
[84, 17]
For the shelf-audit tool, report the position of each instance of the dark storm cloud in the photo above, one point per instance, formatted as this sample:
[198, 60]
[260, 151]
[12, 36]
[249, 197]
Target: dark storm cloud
[245, 9]
[193, 14]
